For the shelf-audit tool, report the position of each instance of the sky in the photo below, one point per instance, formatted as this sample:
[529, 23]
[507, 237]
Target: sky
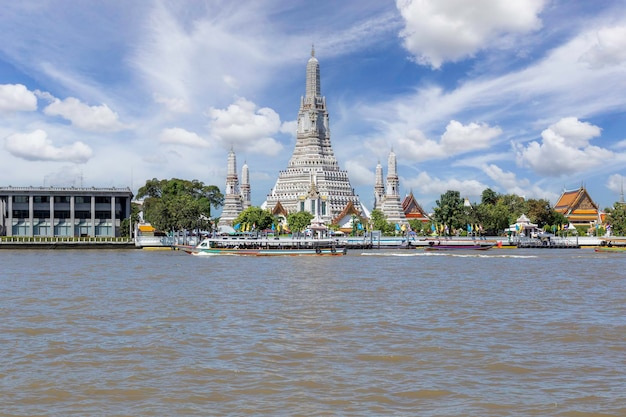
[525, 97]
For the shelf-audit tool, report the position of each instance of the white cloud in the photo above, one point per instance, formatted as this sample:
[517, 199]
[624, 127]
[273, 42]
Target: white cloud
[615, 183]
[16, 97]
[437, 186]
[359, 174]
[609, 49]
[564, 149]
[437, 31]
[510, 184]
[175, 105]
[457, 139]
[507, 179]
[36, 146]
[94, 118]
[246, 127]
[179, 136]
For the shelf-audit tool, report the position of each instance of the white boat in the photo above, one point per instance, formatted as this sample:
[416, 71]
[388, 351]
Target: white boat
[264, 247]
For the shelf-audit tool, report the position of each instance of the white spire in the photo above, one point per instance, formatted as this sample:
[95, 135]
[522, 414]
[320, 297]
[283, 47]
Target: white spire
[313, 88]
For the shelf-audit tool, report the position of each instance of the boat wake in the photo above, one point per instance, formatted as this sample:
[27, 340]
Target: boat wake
[446, 254]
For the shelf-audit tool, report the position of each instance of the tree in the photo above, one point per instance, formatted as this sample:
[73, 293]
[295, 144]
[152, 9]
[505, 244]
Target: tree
[540, 212]
[299, 221]
[127, 223]
[179, 204]
[616, 217]
[449, 210]
[489, 196]
[261, 219]
[379, 220]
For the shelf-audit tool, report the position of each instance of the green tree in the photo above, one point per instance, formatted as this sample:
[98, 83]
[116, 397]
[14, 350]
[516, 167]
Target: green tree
[418, 227]
[379, 220]
[489, 197]
[616, 217]
[449, 210]
[540, 212]
[299, 221]
[179, 204]
[128, 223]
[255, 216]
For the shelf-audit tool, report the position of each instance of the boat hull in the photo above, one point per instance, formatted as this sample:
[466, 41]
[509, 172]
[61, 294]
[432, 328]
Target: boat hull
[458, 247]
[263, 248]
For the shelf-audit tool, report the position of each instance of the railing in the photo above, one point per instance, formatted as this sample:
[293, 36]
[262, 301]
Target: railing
[64, 239]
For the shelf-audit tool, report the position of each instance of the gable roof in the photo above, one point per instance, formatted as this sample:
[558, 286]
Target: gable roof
[412, 209]
[577, 205]
[279, 210]
[348, 210]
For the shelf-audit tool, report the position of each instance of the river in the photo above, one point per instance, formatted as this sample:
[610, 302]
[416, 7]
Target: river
[505, 332]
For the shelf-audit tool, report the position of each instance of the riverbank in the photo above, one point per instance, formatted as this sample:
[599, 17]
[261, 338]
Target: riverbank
[43, 242]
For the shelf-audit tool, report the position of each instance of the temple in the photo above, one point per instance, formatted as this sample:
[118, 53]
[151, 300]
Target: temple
[578, 207]
[236, 199]
[387, 198]
[313, 181]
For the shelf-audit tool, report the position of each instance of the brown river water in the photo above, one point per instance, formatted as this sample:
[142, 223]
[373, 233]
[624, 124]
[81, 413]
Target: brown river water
[506, 332]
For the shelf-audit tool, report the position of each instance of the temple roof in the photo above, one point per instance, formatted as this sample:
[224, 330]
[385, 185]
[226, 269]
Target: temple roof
[412, 209]
[577, 205]
[347, 211]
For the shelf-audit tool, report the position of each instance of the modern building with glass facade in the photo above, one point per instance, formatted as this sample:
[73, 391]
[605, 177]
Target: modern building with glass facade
[63, 211]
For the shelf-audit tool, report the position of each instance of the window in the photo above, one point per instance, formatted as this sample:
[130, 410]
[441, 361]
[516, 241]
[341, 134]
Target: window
[83, 199]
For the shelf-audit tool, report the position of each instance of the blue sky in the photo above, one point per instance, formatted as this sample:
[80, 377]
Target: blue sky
[524, 97]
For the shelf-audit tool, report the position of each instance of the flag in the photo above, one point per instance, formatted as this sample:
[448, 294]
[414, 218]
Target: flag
[397, 227]
[273, 227]
[432, 227]
[469, 227]
[237, 226]
[359, 226]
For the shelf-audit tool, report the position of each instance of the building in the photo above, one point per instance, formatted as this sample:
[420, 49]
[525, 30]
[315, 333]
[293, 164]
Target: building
[245, 186]
[63, 211]
[313, 180]
[233, 204]
[413, 210]
[578, 207]
[387, 198]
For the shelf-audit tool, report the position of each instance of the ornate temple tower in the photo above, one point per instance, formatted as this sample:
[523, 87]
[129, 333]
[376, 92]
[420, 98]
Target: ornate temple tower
[379, 188]
[313, 158]
[245, 186]
[232, 198]
[391, 205]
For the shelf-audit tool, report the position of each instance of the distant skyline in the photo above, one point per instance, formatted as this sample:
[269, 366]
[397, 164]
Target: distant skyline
[524, 97]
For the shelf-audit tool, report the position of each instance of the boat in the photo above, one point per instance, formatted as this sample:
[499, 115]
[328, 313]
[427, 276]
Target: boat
[446, 245]
[264, 247]
[616, 244]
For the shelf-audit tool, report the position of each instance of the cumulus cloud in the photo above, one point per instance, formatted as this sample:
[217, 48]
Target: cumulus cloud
[564, 149]
[246, 127]
[457, 139]
[36, 146]
[359, 174]
[615, 183]
[437, 31]
[16, 97]
[179, 136]
[93, 118]
[609, 48]
[510, 184]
